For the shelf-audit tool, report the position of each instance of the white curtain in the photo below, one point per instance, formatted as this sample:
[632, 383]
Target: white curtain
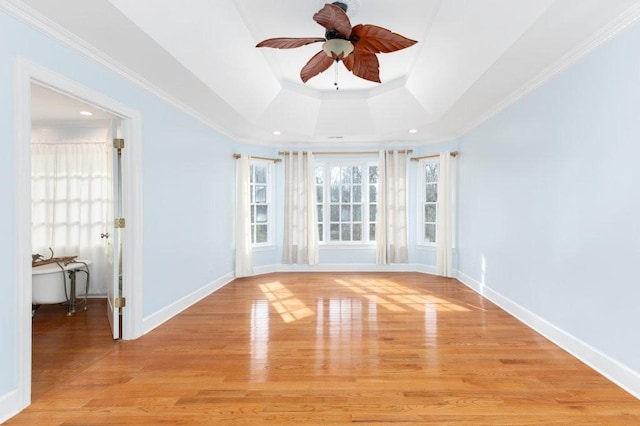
[446, 215]
[391, 220]
[300, 217]
[244, 251]
[70, 197]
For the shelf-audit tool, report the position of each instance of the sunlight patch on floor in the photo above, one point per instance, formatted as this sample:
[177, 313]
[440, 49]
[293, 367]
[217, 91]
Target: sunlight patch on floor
[396, 297]
[284, 302]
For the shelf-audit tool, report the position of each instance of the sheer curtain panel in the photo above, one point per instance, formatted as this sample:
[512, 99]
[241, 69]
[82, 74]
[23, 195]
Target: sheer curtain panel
[244, 251]
[391, 220]
[70, 197]
[300, 218]
[446, 215]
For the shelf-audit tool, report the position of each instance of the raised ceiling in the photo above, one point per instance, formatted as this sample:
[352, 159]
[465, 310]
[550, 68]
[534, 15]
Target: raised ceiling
[472, 58]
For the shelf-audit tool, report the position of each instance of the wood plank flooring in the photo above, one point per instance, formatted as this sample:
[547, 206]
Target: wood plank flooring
[317, 348]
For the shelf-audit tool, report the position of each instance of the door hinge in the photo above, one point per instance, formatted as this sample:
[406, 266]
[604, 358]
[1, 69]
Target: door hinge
[118, 222]
[118, 143]
[119, 302]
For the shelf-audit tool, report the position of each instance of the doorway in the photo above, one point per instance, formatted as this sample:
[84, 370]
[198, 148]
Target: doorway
[26, 74]
[75, 195]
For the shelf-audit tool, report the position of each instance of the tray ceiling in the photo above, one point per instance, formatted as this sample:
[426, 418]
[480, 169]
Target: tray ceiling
[471, 58]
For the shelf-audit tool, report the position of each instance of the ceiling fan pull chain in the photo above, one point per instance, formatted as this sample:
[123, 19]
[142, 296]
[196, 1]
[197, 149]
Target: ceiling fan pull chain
[336, 78]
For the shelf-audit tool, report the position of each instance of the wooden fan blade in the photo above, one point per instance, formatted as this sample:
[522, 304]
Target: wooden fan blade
[374, 39]
[288, 43]
[332, 17]
[318, 63]
[364, 65]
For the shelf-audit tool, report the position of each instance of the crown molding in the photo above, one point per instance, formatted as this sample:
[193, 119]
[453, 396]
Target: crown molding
[36, 20]
[616, 26]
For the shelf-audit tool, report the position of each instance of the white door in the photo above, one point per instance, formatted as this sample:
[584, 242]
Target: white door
[113, 237]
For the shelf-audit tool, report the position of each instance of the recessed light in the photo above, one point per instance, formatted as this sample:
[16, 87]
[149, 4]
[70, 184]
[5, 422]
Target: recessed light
[413, 131]
[86, 113]
[276, 132]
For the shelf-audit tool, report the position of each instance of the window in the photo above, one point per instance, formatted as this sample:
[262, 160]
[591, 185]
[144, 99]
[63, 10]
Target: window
[346, 201]
[429, 200]
[261, 211]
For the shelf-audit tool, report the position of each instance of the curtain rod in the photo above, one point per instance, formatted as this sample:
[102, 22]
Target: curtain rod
[401, 151]
[424, 157]
[275, 160]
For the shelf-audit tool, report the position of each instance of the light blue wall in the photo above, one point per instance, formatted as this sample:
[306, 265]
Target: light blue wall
[7, 215]
[187, 192]
[549, 200]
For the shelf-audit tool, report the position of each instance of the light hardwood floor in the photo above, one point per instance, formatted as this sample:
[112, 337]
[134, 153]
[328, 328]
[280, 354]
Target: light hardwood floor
[317, 348]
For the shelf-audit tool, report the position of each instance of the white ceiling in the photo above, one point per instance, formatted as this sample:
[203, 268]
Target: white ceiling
[472, 57]
[48, 106]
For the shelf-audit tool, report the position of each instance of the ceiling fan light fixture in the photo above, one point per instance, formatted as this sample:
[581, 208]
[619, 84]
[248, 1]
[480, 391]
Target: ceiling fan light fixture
[337, 48]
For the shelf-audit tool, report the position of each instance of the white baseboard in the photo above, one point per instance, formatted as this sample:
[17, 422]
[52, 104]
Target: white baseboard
[160, 317]
[623, 376]
[348, 267]
[11, 404]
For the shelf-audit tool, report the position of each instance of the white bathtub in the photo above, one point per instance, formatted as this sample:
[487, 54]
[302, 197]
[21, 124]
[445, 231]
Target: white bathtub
[47, 282]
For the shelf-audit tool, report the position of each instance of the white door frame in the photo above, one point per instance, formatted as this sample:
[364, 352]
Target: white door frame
[26, 72]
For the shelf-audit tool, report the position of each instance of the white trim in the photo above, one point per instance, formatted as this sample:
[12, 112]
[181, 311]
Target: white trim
[26, 72]
[612, 369]
[168, 312]
[10, 405]
[21, 397]
[348, 267]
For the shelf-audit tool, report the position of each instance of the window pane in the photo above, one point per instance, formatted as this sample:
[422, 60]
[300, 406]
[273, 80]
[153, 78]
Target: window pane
[357, 194]
[431, 195]
[357, 213]
[431, 172]
[430, 213]
[261, 234]
[357, 175]
[335, 213]
[346, 193]
[335, 176]
[335, 193]
[430, 233]
[320, 233]
[345, 215]
[346, 232]
[372, 231]
[372, 212]
[261, 174]
[334, 232]
[261, 194]
[253, 214]
[373, 194]
[319, 175]
[373, 174]
[346, 175]
[320, 213]
[252, 198]
[261, 214]
[357, 232]
[319, 194]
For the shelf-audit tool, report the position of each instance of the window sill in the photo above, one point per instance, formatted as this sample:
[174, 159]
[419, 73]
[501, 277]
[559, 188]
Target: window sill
[267, 247]
[347, 246]
[429, 247]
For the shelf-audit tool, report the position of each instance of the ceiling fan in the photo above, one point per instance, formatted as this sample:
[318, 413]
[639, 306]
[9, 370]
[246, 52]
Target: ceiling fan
[356, 47]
